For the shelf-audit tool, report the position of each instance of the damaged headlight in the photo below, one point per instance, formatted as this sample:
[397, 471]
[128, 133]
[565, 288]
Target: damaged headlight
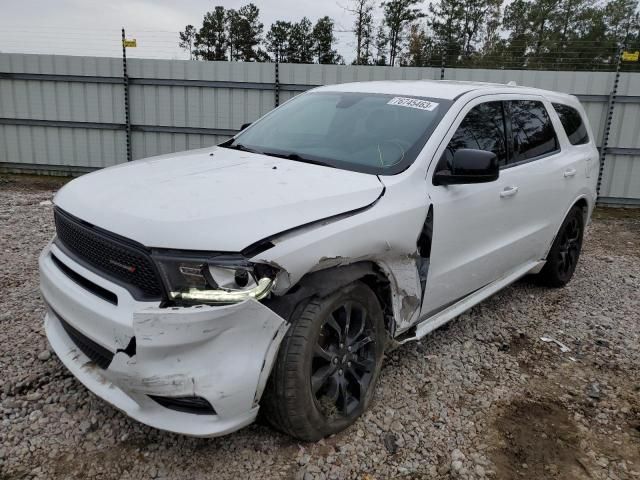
[219, 279]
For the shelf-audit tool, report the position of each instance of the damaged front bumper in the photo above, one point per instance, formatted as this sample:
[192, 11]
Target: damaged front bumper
[221, 355]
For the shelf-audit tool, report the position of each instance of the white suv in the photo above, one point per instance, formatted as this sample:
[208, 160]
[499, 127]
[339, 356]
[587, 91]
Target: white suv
[275, 268]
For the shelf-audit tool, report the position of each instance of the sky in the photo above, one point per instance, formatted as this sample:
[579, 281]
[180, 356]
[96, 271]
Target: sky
[91, 27]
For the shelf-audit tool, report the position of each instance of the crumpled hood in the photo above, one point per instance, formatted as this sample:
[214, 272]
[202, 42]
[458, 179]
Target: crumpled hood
[214, 198]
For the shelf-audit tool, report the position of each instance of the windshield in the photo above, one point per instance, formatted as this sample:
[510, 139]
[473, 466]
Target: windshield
[365, 132]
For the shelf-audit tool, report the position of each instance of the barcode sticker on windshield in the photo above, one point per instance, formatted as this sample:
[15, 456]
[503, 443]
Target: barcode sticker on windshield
[413, 103]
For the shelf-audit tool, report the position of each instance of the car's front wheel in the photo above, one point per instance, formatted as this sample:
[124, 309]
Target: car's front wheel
[327, 365]
[565, 251]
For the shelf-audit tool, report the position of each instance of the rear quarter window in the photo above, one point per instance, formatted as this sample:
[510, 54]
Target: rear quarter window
[572, 124]
[532, 130]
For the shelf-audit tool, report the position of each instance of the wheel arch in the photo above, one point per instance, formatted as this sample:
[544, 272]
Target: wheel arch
[581, 201]
[322, 283]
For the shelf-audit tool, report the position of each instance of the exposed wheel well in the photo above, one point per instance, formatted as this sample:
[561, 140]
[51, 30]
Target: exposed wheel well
[381, 287]
[582, 203]
[325, 282]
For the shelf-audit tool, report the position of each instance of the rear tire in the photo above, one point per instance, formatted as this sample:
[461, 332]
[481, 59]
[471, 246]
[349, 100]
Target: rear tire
[327, 366]
[565, 251]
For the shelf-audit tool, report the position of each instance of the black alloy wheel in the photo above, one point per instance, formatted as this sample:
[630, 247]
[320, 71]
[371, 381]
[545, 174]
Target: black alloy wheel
[563, 257]
[328, 363]
[344, 360]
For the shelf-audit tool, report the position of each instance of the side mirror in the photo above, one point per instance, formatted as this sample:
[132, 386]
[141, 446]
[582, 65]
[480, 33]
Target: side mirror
[468, 166]
[245, 125]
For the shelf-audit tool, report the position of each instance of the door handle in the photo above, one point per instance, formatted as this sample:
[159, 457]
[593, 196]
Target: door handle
[570, 172]
[508, 192]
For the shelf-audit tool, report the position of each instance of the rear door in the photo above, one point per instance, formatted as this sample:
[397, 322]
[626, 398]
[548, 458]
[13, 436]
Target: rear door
[535, 167]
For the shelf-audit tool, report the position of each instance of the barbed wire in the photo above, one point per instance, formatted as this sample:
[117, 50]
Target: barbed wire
[570, 54]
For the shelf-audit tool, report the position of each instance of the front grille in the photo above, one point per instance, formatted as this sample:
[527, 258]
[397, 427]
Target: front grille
[122, 261]
[96, 353]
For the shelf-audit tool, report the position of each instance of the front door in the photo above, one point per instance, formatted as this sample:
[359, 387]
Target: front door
[482, 232]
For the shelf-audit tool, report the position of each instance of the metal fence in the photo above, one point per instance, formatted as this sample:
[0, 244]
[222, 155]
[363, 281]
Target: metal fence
[67, 114]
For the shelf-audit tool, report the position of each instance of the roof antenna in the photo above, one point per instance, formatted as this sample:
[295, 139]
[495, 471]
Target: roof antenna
[512, 83]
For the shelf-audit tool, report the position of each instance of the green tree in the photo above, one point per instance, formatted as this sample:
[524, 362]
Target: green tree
[363, 28]
[563, 34]
[419, 47]
[461, 29]
[211, 40]
[234, 27]
[516, 21]
[251, 28]
[366, 48]
[187, 38]
[445, 21]
[323, 41]
[277, 41]
[382, 45]
[397, 14]
[621, 19]
[301, 42]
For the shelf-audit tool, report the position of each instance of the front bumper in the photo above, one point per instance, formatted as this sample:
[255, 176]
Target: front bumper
[220, 353]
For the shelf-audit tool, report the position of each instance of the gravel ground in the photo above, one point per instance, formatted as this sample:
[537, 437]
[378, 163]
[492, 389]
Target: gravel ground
[481, 397]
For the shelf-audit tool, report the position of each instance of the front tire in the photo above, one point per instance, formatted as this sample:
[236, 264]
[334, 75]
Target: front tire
[565, 251]
[328, 364]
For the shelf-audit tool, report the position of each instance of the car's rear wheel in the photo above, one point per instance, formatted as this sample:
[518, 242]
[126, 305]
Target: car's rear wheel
[565, 251]
[327, 365]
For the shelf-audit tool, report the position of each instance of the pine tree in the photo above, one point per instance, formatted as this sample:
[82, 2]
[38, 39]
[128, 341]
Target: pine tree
[363, 26]
[233, 23]
[250, 28]
[366, 48]
[462, 28]
[418, 48]
[277, 41]
[323, 42]
[211, 39]
[187, 38]
[397, 14]
[382, 45]
[301, 42]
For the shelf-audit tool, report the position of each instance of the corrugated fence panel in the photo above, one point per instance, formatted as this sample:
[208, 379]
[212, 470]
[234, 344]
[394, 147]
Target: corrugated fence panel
[60, 146]
[304, 74]
[60, 65]
[621, 178]
[149, 144]
[224, 107]
[69, 101]
[592, 83]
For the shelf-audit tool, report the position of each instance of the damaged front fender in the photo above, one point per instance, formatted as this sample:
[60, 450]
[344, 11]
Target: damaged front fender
[381, 235]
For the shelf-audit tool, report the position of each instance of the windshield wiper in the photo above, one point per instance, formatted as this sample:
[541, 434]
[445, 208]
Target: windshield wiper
[298, 158]
[239, 146]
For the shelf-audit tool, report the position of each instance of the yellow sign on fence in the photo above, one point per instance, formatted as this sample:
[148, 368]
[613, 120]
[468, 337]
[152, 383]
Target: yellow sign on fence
[630, 56]
[130, 43]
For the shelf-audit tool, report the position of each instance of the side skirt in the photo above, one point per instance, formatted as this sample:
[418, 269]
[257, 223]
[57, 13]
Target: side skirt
[429, 324]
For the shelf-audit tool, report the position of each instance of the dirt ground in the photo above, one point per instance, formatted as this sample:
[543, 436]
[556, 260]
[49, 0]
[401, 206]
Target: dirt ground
[482, 397]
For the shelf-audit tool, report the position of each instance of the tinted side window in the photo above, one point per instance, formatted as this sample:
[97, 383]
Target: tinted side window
[483, 129]
[572, 123]
[533, 133]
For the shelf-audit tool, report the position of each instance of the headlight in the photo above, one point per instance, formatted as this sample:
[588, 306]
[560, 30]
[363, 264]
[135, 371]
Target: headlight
[217, 279]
